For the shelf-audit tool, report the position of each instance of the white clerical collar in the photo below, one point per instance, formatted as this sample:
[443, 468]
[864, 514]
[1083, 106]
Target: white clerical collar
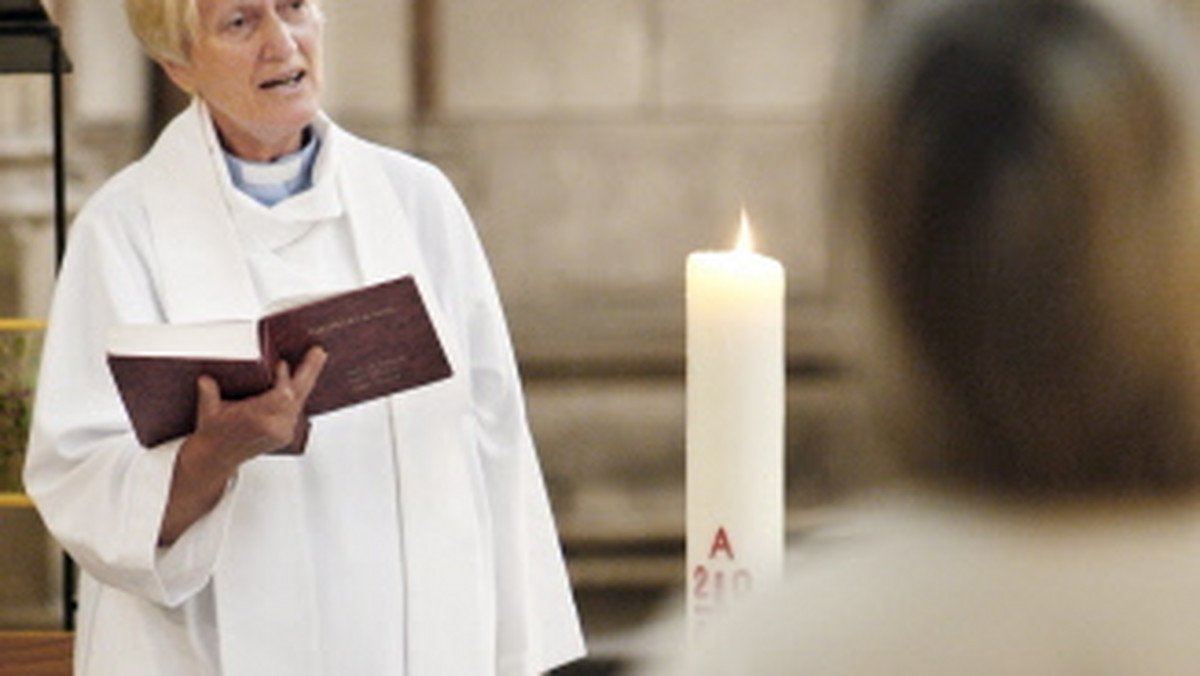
[274, 181]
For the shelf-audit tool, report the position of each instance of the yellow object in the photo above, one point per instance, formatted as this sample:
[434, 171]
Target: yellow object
[11, 500]
[21, 324]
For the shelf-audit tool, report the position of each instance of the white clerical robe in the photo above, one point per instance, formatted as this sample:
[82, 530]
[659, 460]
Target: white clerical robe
[413, 537]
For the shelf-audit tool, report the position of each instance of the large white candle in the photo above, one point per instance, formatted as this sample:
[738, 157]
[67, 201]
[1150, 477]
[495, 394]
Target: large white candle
[735, 426]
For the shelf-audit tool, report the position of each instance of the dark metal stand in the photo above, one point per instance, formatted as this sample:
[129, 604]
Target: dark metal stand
[31, 43]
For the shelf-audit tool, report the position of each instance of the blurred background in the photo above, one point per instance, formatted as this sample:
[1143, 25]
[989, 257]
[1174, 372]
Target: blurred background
[597, 143]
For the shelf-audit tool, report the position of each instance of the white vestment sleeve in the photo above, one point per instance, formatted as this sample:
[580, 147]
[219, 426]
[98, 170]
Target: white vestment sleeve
[537, 622]
[538, 625]
[100, 493]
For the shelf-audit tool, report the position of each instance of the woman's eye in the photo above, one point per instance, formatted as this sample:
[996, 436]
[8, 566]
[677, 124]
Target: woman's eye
[235, 23]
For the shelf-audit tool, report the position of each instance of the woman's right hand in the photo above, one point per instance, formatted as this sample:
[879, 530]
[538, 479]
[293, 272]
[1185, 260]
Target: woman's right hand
[229, 433]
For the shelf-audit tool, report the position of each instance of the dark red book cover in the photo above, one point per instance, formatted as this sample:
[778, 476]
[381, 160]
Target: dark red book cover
[379, 338]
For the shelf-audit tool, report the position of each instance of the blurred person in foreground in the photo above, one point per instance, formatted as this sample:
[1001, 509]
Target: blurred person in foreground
[414, 535]
[1020, 177]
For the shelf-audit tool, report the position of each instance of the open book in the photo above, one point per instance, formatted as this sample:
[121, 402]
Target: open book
[379, 338]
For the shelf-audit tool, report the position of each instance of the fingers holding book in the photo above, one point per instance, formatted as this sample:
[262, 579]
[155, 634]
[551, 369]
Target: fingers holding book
[300, 383]
[229, 433]
[246, 428]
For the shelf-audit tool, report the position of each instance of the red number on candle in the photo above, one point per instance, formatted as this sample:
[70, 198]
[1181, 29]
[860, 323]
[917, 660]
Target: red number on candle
[710, 585]
[743, 582]
[700, 583]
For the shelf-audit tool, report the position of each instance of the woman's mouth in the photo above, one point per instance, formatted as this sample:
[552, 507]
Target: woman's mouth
[285, 81]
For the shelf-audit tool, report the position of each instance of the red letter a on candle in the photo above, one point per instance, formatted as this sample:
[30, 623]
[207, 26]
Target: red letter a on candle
[721, 544]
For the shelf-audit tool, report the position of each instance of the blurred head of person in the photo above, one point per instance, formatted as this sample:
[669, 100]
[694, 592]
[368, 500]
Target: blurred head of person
[1020, 177]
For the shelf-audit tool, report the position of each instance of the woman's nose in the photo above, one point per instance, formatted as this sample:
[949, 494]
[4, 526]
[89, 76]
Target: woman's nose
[278, 40]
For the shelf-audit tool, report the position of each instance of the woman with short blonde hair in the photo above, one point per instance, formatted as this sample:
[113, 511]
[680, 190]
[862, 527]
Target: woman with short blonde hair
[413, 536]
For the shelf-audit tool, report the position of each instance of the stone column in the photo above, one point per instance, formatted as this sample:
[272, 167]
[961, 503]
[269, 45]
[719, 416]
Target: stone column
[26, 195]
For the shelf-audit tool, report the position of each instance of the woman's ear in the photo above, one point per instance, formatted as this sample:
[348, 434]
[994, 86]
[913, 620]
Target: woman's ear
[182, 74]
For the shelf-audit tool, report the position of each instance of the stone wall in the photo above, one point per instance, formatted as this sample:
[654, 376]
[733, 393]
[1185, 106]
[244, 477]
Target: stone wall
[30, 584]
[597, 143]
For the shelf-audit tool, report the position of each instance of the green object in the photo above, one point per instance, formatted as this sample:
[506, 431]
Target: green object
[20, 348]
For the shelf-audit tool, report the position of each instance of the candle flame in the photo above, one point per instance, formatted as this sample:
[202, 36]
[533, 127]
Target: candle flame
[745, 240]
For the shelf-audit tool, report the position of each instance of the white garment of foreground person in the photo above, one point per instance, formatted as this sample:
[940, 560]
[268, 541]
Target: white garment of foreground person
[941, 586]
